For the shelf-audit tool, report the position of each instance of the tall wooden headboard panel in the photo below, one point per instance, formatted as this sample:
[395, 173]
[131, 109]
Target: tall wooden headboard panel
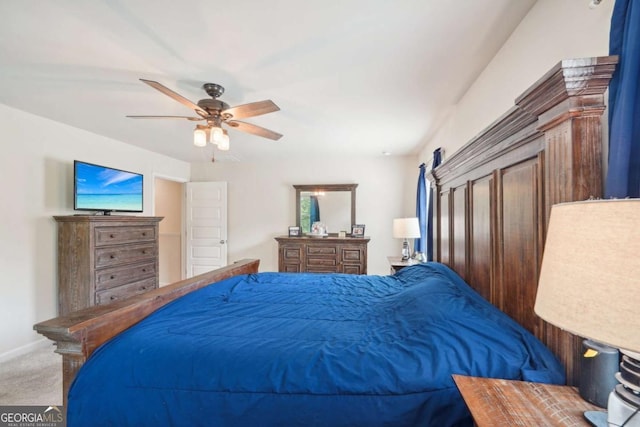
[493, 197]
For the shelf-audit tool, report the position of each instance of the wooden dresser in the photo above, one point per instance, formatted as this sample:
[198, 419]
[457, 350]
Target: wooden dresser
[102, 259]
[322, 254]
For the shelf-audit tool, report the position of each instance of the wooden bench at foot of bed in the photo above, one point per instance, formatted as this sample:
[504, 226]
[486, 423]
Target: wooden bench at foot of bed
[79, 333]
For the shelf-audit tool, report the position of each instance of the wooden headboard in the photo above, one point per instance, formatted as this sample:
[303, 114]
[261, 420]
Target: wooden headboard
[493, 197]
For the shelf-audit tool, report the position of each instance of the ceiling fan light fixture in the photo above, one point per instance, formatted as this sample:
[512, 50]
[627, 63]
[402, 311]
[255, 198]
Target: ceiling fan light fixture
[217, 134]
[224, 141]
[200, 136]
[216, 112]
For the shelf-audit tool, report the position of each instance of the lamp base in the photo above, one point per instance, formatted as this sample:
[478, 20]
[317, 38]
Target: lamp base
[405, 250]
[419, 256]
[596, 418]
[598, 367]
[620, 411]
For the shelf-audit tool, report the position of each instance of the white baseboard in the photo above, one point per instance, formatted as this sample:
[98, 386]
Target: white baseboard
[27, 348]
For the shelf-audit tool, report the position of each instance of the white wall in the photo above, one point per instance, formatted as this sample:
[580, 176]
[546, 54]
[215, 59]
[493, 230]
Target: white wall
[553, 30]
[262, 200]
[37, 174]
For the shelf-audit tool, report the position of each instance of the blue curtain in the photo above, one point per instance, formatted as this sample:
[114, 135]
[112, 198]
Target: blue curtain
[437, 159]
[314, 210]
[623, 175]
[419, 245]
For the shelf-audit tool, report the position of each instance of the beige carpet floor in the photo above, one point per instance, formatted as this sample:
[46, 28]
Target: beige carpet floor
[32, 379]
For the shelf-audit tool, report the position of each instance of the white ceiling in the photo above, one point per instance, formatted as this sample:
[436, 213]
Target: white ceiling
[358, 77]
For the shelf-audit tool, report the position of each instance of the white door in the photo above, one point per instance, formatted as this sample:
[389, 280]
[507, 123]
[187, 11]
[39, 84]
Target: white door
[206, 227]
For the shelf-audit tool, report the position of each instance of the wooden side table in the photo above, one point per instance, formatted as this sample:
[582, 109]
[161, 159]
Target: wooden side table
[398, 264]
[495, 402]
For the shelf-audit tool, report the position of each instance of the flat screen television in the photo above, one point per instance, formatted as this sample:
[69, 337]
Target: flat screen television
[101, 188]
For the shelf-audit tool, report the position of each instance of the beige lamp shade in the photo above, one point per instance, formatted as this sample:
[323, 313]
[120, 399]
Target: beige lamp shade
[406, 228]
[590, 277]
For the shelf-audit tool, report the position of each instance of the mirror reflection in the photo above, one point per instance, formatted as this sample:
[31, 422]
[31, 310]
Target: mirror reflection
[333, 205]
[333, 209]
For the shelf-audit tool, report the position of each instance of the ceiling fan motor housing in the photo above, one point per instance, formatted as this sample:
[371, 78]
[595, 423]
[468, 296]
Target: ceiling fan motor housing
[213, 90]
[213, 106]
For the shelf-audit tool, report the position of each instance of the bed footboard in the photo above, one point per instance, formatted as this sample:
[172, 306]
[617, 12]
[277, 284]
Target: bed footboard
[79, 333]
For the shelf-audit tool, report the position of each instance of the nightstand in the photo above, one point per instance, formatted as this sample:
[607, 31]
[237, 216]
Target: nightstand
[495, 402]
[398, 264]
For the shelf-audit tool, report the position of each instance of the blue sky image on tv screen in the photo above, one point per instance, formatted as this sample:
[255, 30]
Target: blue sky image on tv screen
[102, 188]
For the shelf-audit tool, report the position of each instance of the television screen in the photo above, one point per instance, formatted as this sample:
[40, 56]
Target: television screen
[100, 188]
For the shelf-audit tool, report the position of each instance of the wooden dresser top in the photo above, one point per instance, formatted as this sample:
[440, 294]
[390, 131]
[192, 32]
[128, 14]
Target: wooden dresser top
[496, 402]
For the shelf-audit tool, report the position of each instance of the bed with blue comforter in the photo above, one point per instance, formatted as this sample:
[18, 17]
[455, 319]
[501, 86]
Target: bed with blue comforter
[280, 349]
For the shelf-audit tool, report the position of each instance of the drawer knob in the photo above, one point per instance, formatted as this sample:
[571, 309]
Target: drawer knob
[112, 277]
[144, 270]
[143, 288]
[112, 256]
[112, 298]
[111, 236]
[144, 252]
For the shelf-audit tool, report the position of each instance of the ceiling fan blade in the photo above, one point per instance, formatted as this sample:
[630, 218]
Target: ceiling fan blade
[255, 130]
[252, 109]
[181, 99]
[193, 119]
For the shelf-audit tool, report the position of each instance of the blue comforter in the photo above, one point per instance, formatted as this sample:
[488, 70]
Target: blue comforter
[278, 349]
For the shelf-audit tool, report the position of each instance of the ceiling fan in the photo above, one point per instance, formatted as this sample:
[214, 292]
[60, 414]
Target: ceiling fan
[216, 112]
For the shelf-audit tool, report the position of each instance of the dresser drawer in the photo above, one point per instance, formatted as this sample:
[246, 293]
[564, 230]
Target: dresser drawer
[319, 250]
[112, 277]
[130, 234]
[352, 254]
[125, 254]
[322, 269]
[291, 253]
[322, 264]
[291, 268]
[125, 291]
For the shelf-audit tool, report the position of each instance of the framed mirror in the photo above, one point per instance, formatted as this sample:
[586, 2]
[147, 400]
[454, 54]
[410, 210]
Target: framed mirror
[332, 204]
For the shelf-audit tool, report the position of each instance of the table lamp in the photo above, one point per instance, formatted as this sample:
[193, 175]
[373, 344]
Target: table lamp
[406, 228]
[589, 285]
